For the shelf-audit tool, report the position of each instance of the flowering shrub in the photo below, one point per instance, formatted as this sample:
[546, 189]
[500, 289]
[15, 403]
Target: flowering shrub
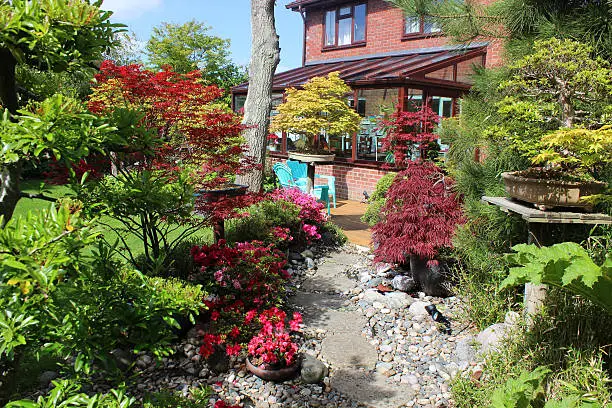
[281, 217]
[244, 280]
[223, 404]
[419, 216]
[273, 345]
[407, 132]
[311, 211]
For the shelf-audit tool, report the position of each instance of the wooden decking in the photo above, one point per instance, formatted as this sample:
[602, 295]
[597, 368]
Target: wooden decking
[347, 216]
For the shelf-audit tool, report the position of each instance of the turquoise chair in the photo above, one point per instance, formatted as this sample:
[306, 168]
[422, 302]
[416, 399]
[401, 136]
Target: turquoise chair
[287, 180]
[300, 171]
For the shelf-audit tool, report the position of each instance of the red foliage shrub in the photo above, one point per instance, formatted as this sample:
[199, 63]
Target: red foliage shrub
[420, 215]
[407, 132]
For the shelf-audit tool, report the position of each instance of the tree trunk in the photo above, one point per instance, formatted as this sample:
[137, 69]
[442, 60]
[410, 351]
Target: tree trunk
[567, 110]
[11, 173]
[265, 56]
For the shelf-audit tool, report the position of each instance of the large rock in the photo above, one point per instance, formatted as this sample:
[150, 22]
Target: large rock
[418, 308]
[46, 377]
[465, 351]
[307, 253]
[397, 300]
[313, 371]
[492, 337]
[372, 295]
[404, 283]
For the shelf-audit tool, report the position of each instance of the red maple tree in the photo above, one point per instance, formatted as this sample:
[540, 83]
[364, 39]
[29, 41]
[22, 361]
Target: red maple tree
[419, 216]
[408, 132]
[192, 129]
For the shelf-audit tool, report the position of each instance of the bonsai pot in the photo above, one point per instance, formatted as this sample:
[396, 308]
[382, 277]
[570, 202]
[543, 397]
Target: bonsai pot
[549, 193]
[312, 158]
[274, 374]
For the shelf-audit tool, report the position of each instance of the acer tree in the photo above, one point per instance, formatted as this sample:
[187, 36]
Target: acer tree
[51, 35]
[419, 216]
[319, 107]
[408, 133]
[173, 138]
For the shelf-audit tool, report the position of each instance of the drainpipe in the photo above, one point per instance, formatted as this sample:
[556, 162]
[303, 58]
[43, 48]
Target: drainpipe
[303, 14]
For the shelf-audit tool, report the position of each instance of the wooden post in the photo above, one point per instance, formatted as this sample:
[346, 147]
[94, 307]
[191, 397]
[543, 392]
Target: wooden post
[535, 295]
[311, 176]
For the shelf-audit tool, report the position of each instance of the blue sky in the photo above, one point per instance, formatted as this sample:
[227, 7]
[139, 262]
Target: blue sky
[228, 19]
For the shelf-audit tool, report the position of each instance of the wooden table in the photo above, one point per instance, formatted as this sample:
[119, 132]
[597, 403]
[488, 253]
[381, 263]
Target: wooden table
[538, 223]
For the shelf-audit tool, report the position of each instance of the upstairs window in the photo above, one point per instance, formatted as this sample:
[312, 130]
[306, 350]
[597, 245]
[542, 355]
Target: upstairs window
[345, 26]
[419, 25]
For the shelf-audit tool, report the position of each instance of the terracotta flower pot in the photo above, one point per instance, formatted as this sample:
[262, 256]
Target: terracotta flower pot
[550, 193]
[274, 374]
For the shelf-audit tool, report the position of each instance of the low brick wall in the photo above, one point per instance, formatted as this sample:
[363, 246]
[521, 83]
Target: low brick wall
[351, 180]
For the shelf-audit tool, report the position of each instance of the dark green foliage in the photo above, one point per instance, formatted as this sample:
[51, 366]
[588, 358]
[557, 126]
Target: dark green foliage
[377, 199]
[336, 235]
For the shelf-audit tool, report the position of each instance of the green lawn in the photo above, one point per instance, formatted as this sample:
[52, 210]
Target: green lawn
[33, 186]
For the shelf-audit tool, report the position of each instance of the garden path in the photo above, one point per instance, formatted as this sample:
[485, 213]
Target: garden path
[352, 358]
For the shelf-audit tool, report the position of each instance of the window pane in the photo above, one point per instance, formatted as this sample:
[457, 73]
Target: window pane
[344, 31]
[239, 101]
[412, 24]
[429, 26]
[360, 22]
[345, 11]
[330, 28]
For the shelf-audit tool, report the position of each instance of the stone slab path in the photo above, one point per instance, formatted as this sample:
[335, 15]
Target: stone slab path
[352, 358]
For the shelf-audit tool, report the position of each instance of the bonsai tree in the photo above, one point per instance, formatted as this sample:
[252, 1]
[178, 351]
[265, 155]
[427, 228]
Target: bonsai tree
[578, 153]
[563, 75]
[320, 107]
[417, 220]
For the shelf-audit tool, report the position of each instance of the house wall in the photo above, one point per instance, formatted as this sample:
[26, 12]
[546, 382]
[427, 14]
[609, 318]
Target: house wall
[351, 181]
[384, 33]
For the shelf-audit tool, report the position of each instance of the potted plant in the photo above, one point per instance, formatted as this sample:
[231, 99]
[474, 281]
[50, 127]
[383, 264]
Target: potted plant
[571, 161]
[418, 219]
[272, 352]
[564, 89]
[320, 108]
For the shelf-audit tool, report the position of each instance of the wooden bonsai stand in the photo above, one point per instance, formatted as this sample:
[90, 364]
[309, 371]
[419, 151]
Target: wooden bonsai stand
[539, 229]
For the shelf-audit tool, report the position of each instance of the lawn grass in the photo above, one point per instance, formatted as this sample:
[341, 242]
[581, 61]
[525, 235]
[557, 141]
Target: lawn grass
[26, 205]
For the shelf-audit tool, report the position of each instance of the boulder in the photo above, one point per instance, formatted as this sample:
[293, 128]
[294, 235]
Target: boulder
[307, 253]
[465, 350]
[374, 282]
[46, 377]
[294, 256]
[398, 300]
[312, 371]
[372, 295]
[492, 337]
[404, 283]
[418, 308]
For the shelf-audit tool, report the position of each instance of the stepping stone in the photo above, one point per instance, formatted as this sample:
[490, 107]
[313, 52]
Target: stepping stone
[348, 323]
[373, 390]
[314, 303]
[349, 352]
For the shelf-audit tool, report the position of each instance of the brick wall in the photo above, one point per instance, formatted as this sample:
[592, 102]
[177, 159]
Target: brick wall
[385, 27]
[351, 181]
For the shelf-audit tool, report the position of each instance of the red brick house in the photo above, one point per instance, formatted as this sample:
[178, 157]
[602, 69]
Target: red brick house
[388, 59]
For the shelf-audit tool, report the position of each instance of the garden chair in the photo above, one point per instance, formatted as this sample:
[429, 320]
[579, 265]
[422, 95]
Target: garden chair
[287, 180]
[300, 170]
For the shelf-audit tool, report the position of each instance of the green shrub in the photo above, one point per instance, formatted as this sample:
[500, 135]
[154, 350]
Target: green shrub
[338, 237]
[260, 220]
[68, 393]
[377, 199]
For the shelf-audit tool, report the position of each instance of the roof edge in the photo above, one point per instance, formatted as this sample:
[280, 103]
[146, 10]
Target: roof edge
[430, 50]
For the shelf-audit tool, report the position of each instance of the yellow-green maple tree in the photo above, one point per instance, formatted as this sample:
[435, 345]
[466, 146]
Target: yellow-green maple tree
[320, 107]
